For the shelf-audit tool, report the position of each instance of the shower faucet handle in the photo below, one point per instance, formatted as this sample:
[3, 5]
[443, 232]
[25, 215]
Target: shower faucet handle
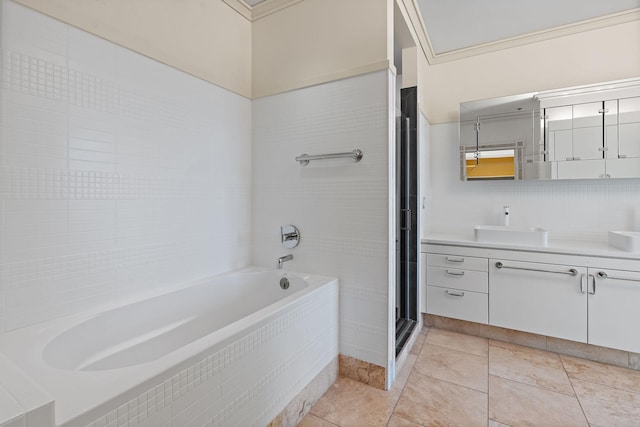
[290, 236]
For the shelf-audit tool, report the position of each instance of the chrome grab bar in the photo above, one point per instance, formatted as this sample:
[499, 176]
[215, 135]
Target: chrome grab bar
[603, 275]
[571, 272]
[304, 159]
[454, 294]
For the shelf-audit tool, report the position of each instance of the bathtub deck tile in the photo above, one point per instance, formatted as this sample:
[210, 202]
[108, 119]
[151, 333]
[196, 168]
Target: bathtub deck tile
[122, 410]
[207, 392]
[112, 416]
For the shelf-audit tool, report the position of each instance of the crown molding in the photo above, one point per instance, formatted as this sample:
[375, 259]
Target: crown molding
[538, 36]
[417, 24]
[270, 6]
[241, 7]
[266, 8]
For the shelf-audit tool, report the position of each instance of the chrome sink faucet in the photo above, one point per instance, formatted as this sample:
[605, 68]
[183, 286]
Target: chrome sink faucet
[283, 259]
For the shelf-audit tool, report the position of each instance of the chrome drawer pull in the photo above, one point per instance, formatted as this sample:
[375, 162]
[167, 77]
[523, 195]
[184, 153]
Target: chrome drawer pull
[571, 272]
[452, 259]
[454, 272]
[603, 275]
[584, 283]
[454, 294]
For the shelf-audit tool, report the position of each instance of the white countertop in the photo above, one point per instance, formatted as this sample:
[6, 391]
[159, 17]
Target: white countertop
[566, 247]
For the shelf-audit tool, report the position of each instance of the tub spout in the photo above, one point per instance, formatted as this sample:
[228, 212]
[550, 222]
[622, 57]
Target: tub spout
[284, 259]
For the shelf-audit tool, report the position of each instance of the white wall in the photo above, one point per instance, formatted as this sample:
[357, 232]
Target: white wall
[318, 41]
[575, 209]
[424, 147]
[119, 175]
[340, 207]
[424, 196]
[207, 39]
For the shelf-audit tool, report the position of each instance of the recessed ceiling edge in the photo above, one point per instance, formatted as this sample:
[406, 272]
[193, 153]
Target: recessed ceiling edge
[437, 58]
[261, 9]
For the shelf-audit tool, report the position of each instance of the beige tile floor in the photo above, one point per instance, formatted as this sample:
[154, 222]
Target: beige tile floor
[452, 379]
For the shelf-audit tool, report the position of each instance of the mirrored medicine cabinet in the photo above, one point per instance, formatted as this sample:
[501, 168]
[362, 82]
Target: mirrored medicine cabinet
[575, 133]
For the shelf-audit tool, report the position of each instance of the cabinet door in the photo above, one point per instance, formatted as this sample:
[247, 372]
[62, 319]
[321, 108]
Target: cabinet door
[558, 134]
[614, 309]
[469, 280]
[457, 304]
[423, 282]
[456, 261]
[546, 299]
[582, 169]
[588, 140]
[629, 127]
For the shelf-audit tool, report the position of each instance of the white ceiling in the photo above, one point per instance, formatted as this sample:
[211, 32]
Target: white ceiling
[253, 2]
[457, 24]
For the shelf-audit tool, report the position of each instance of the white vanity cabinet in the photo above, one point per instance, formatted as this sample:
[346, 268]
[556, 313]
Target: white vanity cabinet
[576, 296]
[614, 308]
[545, 299]
[457, 287]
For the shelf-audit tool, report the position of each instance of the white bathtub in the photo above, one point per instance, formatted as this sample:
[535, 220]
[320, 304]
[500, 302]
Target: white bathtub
[231, 350]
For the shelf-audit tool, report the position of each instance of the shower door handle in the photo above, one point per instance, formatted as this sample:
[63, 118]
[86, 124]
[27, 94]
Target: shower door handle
[407, 220]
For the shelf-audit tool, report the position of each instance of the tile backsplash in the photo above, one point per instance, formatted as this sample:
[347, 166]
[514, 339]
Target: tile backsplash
[118, 174]
[571, 210]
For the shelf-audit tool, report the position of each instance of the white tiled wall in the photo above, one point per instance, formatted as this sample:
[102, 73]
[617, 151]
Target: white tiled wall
[340, 207]
[575, 209]
[118, 174]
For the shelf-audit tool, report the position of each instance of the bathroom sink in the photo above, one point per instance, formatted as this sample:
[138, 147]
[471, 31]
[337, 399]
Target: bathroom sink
[511, 235]
[626, 240]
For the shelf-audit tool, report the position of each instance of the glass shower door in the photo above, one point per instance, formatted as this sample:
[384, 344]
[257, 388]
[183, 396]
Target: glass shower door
[406, 213]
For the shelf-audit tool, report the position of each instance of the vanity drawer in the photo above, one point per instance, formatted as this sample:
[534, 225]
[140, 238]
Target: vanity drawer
[457, 304]
[455, 278]
[457, 261]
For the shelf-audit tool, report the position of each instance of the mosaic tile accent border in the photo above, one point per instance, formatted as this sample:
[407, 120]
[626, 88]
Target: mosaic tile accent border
[56, 184]
[29, 75]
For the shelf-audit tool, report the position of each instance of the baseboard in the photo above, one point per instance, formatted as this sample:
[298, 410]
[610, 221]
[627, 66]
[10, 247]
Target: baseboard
[610, 356]
[365, 372]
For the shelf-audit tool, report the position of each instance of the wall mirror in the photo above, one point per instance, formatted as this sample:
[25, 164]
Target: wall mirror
[574, 133]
